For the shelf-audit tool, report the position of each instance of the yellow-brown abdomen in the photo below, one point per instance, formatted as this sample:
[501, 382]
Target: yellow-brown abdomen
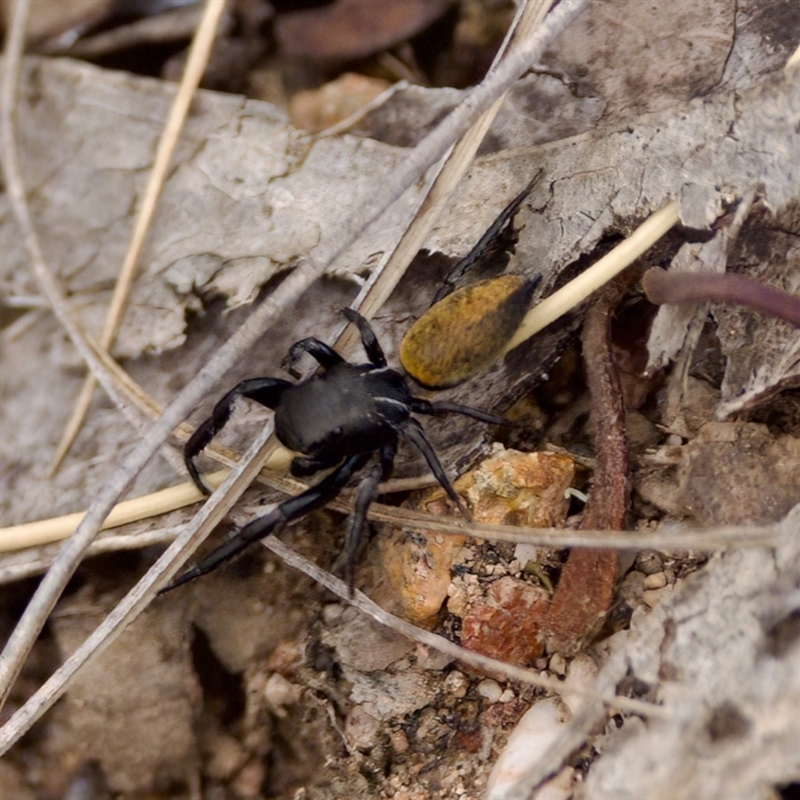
[466, 331]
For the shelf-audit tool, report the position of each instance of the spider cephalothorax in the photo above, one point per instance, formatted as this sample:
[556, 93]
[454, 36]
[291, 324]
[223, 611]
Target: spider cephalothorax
[339, 418]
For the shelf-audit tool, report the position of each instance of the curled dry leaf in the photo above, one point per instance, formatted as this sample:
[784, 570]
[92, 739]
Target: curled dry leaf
[314, 110]
[349, 29]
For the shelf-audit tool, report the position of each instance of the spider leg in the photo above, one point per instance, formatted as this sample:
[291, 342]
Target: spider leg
[324, 354]
[416, 435]
[289, 510]
[266, 391]
[439, 407]
[366, 494]
[368, 339]
[303, 466]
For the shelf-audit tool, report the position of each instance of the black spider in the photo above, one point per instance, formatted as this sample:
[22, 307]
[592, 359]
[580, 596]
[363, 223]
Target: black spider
[338, 418]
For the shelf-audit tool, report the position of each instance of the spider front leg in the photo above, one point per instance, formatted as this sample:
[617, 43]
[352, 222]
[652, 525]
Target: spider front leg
[324, 354]
[266, 391]
[368, 338]
[289, 510]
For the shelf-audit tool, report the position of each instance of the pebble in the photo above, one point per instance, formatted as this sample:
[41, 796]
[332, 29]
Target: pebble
[525, 552]
[429, 658]
[504, 623]
[279, 693]
[657, 580]
[248, 782]
[331, 613]
[456, 684]
[652, 597]
[538, 728]
[558, 664]
[490, 689]
[227, 756]
[399, 741]
[649, 562]
[507, 696]
[536, 731]
[457, 598]
[361, 728]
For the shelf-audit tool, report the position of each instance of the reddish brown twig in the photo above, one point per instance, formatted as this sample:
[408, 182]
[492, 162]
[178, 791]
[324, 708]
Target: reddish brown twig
[586, 587]
[662, 287]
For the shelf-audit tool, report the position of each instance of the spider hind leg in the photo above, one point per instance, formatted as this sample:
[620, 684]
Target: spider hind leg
[289, 510]
[416, 434]
[365, 495]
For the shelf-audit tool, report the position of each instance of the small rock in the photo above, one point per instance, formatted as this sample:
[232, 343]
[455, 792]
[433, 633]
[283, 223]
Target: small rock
[652, 597]
[431, 659]
[514, 488]
[411, 572]
[279, 693]
[558, 664]
[457, 598]
[331, 613]
[649, 562]
[285, 657]
[364, 645]
[399, 741]
[536, 731]
[362, 729]
[225, 756]
[507, 696]
[505, 624]
[490, 689]
[631, 588]
[581, 675]
[456, 684]
[524, 553]
[658, 580]
[248, 782]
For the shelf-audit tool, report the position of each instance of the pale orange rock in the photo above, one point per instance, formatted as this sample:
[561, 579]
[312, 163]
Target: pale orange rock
[412, 571]
[513, 488]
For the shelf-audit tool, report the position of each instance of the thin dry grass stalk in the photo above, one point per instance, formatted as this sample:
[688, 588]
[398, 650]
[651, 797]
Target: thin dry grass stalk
[199, 53]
